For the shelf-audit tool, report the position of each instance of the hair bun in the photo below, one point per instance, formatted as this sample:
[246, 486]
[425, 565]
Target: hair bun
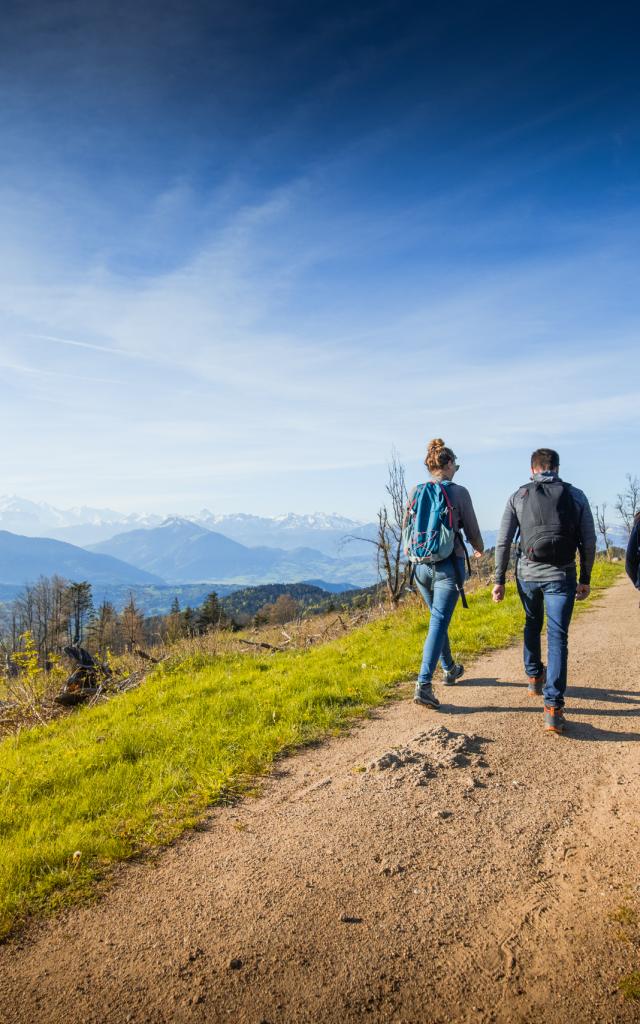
[438, 455]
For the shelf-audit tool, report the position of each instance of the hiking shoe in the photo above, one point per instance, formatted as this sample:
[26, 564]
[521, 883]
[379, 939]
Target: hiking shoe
[425, 695]
[536, 683]
[554, 720]
[452, 676]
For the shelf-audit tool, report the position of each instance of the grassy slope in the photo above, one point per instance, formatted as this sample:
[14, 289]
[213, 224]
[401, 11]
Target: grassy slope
[116, 779]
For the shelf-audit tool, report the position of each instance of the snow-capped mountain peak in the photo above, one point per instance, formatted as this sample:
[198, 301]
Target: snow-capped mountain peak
[84, 525]
[316, 521]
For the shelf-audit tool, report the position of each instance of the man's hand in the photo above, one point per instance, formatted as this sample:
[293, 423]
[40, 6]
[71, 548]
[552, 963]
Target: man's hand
[498, 593]
[477, 554]
[582, 591]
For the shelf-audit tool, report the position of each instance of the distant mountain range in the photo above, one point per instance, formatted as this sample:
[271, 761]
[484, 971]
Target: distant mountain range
[231, 550]
[178, 555]
[87, 526]
[78, 525]
[182, 551]
[332, 534]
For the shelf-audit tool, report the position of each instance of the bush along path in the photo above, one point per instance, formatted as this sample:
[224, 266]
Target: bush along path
[449, 866]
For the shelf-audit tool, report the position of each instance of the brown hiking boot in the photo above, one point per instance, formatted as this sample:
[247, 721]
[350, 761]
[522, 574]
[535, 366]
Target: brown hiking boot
[536, 684]
[554, 720]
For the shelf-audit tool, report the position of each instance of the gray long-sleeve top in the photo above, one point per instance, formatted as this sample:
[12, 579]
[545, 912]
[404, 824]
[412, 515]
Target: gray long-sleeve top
[540, 572]
[464, 516]
[632, 560]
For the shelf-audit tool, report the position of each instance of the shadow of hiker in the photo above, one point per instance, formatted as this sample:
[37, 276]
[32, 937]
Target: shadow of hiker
[586, 731]
[481, 709]
[604, 694]
[535, 708]
[471, 682]
[577, 729]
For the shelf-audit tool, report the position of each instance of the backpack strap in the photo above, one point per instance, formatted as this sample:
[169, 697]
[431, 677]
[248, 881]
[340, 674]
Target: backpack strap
[453, 556]
[460, 582]
[447, 502]
[518, 534]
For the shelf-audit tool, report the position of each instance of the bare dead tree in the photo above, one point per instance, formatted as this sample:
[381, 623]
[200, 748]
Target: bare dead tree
[43, 607]
[628, 502]
[393, 569]
[102, 630]
[25, 606]
[79, 606]
[59, 612]
[602, 526]
[131, 624]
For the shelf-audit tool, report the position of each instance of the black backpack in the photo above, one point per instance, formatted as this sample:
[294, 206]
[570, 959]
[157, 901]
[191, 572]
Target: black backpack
[549, 523]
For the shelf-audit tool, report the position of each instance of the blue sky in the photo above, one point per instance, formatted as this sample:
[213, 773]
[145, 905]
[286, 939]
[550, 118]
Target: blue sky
[247, 249]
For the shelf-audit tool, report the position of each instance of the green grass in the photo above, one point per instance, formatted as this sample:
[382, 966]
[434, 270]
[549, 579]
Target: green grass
[630, 985]
[628, 917]
[625, 915]
[116, 780]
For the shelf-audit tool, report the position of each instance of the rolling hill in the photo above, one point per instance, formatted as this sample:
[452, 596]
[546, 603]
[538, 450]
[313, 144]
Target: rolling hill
[25, 559]
[183, 551]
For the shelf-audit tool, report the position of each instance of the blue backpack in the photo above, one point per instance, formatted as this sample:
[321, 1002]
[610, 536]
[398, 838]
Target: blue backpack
[428, 534]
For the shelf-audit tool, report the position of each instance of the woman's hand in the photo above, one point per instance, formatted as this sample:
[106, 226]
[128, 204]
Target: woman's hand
[498, 593]
[477, 554]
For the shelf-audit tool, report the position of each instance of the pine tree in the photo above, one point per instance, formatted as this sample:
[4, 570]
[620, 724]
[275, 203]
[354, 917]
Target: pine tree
[210, 614]
[189, 620]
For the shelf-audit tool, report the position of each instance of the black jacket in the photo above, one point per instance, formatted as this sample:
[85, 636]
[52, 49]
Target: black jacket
[632, 564]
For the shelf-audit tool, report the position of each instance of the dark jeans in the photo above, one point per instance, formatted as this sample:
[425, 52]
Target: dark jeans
[557, 599]
[438, 586]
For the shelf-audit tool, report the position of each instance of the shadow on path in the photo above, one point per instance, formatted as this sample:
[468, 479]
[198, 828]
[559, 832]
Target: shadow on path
[586, 731]
[608, 696]
[468, 684]
[604, 694]
[577, 729]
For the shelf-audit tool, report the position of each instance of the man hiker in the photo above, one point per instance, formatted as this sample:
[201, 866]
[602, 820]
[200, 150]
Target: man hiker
[553, 521]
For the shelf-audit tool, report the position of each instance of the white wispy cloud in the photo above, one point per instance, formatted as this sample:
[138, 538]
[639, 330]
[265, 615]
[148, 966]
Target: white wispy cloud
[88, 345]
[256, 360]
[38, 372]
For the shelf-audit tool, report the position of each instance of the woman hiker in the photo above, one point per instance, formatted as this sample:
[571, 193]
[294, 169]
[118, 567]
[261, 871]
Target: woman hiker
[440, 583]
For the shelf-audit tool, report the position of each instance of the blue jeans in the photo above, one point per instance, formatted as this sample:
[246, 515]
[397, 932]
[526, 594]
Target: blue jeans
[557, 599]
[438, 586]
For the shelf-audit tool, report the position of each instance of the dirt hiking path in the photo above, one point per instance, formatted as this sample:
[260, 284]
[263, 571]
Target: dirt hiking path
[470, 873]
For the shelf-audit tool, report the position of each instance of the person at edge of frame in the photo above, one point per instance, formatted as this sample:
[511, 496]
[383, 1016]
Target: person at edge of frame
[632, 560]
